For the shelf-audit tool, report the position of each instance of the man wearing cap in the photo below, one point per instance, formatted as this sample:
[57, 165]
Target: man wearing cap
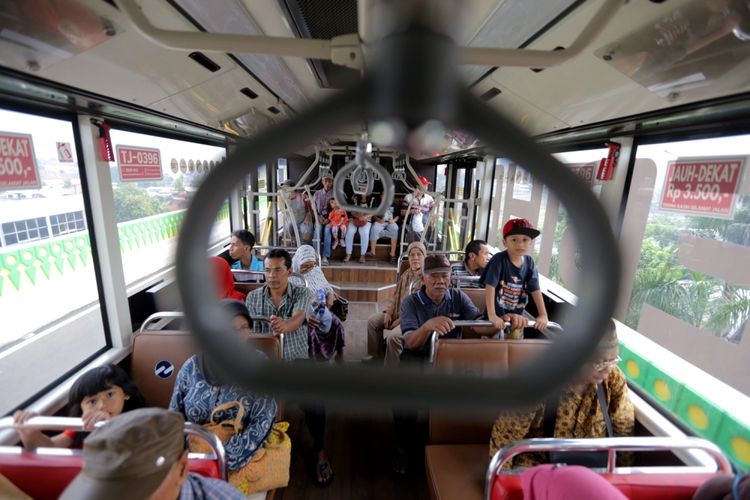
[389, 318]
[141, 454]
[421, 202]
[321, 199]
[433, 308]
[510, 277]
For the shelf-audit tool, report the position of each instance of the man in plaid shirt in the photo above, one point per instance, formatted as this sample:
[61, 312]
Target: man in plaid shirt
[286, 304]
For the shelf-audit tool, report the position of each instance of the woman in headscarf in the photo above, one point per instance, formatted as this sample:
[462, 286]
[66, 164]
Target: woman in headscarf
[323, 346]
[201, 386]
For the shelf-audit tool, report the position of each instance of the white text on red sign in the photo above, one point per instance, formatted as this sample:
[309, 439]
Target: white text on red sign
[18, 169]
[138, 164]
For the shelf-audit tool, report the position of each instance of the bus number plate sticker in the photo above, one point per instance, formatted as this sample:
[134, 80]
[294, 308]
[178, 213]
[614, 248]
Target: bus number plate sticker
[139, 164]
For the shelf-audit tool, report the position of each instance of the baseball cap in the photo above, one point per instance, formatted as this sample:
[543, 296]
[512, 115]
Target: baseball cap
[423, 180]
[519, 226]
[327, 176]
[130, 456]
[436, 262]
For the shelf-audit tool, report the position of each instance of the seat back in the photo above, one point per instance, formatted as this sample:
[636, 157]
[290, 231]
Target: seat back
[477, 297]
[634, 486]
[159, 355]
[43, 476]
[478, 357]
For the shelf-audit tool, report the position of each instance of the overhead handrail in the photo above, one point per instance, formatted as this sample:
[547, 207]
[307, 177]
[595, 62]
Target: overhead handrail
[611, 445]
[47, 423]
[345, 50]
[415, 80]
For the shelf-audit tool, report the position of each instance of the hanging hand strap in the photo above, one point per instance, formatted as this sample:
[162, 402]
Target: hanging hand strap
[605, 411]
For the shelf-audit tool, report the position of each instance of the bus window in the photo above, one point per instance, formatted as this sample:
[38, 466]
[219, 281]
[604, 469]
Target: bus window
[49, 303]
[690, 291]
[153, 179]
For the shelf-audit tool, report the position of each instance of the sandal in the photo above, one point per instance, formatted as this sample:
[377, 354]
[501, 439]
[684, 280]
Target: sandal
[394, 259]
[320, 468]
[347, 258]
[362, 260]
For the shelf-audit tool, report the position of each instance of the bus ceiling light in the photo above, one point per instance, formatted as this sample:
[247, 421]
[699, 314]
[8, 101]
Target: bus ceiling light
[414, 78]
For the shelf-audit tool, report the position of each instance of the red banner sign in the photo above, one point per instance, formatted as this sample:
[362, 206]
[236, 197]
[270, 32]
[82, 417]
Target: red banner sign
[584, 171]
[18, 169]
[702, 186]
[139, 164]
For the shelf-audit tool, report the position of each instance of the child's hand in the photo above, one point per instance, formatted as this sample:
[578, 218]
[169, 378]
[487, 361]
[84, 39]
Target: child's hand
[313, 321]
[498, 323]
[541, 322]
[91, 418]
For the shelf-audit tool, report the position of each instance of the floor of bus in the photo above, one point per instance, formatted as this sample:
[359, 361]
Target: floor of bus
[359, 446]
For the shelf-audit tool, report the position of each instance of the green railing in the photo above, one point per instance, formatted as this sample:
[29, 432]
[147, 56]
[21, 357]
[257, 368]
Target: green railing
[44, 259]
[695, 409]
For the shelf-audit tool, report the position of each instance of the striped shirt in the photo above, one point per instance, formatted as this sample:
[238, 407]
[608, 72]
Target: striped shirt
[295, 298]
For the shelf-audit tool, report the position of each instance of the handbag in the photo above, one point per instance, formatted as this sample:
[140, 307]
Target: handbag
[269, 467]
[223, 430]
[340, 307]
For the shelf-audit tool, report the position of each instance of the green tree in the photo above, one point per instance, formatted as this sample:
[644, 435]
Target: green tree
[178, 184]
[133, 202]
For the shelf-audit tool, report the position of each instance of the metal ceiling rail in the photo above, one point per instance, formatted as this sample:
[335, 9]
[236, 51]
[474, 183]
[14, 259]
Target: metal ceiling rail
[345, 50]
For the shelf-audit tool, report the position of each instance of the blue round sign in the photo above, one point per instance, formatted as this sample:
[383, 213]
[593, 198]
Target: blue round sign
[164, 369]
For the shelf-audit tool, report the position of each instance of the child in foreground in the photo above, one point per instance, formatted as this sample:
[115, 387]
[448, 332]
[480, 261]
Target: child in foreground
[98, 395]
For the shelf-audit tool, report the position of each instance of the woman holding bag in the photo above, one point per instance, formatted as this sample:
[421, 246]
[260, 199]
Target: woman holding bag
[200, 389]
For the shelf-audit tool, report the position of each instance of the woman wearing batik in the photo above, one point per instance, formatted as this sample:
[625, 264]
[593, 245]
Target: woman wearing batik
[579, 413]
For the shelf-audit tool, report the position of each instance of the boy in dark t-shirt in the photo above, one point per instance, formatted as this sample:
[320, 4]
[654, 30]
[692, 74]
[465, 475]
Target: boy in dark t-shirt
[511, 276]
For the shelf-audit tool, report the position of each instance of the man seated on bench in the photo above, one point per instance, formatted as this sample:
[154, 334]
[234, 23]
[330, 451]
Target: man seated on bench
[476, 257]
[433, 308]
[142, 454]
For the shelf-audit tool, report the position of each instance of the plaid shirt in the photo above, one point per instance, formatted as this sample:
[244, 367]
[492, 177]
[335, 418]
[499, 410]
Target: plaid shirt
[295, 298]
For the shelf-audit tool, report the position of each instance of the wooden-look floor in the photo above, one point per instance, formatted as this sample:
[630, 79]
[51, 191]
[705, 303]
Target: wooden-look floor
[359, 446]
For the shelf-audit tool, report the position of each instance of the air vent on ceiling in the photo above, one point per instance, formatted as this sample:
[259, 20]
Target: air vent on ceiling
[539, 70]
[204, 61]
[274, 110]
[249, 93]
[490, 94]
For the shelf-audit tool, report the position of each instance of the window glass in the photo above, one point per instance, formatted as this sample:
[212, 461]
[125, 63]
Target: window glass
[691, 287]
[49, 305]
[555, 250]
[153, 179]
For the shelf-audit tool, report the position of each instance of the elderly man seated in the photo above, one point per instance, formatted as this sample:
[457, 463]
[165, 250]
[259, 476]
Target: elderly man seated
[433, 308]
